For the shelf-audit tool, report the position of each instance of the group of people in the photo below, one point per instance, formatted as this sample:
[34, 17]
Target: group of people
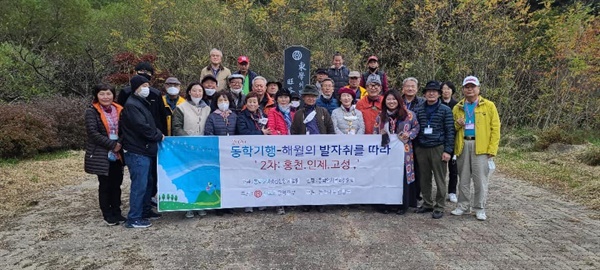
[439, 133]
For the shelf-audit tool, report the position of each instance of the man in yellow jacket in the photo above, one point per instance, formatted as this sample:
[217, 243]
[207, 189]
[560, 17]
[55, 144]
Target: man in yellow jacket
[477, 127]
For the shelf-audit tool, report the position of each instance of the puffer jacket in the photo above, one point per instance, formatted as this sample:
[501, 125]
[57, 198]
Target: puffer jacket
[216, 125]
[441, 122]
[98, 144]
[245, 125]
[329, 104]
[339, 76]
[276, 122]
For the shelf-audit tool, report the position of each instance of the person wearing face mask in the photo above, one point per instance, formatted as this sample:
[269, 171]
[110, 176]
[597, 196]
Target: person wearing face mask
[434, 145]
[103, 155]
[295, 102]
[346, 118]
[140, 138]
[189, 119]
[171, 100]
[157, 109]
[311, 120]
[222, 121]
[370, 105]
[209, 84]
[398, 123]
[373, 70]
[327, 100]
[236, 82]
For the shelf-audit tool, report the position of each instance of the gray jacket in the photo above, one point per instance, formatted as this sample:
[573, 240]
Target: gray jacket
[343, 121]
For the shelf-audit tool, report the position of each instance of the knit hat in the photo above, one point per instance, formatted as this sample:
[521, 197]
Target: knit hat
[144, 66]
[373, 78]
[346, 90]
[137, 81]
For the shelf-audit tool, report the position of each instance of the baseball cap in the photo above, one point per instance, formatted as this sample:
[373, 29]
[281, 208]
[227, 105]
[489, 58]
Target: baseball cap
[172, 80]
[354, 74]
[373, 57]
[321, 71]
[471, 79]
[243, 59]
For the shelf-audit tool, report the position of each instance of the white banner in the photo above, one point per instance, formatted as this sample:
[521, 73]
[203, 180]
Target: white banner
[246, 171]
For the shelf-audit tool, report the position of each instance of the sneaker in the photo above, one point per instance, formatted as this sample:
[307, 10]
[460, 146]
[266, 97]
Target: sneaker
[280, 210]
[142, 223]
[111, 221]
[458, 211]
[262, 208]
[481, 215]
[452, 197]
[248, 210]
[437, 214]
[151, 215]
[201, 213]
[189, 214]
[120, 218]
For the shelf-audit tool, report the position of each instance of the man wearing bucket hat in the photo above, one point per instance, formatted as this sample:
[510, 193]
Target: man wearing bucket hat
[477, 138]
[311, 120]
[434, 144]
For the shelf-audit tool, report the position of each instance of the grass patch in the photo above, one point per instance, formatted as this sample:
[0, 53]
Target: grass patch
[591, 156]
[25, 182]
[556, 172]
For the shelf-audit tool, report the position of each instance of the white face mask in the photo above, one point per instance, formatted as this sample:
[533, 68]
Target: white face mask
[295, 104]
[210, 92]
[144, 92]
[172, 91]
[223, 106]
[236, 91]
[196, 100]
[285, 108]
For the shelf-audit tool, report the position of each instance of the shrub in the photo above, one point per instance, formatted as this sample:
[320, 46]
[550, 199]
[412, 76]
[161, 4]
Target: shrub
[591, 156]
[69, 116]
[557, 134]
[26, 131]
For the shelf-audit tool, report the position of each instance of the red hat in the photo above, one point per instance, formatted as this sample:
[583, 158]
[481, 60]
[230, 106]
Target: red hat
[243, 59]
[347, 91]
[373, 57]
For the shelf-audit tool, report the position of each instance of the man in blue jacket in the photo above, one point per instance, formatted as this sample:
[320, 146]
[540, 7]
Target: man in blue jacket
[140, 138]
[327, 99]
[434, 144]
[338, 73]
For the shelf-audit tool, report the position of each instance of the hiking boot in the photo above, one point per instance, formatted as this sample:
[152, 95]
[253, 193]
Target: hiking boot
[151, 215]
[189, 214]
[248, 210]
[280, 210]
[262, 208]
[422, 210]
[201, 213]
[142, 223]
[437, 214]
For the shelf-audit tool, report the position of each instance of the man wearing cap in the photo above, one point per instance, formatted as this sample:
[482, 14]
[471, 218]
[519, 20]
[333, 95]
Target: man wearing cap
[236, 82]
[370, 105]
[373, 70]
[209, 83]
[311, 120]
[477, 138]
[216, 69]
[321, 75]
[273, 87]
[326, 99]
[249, 75]
[435, 143]
[171, 100]
[265, 101]
[338, 73]
[354, 84]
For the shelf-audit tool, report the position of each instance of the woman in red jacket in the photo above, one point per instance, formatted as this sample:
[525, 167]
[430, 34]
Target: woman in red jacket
[280, 120]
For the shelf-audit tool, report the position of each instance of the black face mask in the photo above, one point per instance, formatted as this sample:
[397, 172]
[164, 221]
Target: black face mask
[145, 75]
[372, 69]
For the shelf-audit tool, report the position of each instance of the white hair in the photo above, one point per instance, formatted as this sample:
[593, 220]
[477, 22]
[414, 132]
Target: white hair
[216, 50]
[259, 78]
[410, 79]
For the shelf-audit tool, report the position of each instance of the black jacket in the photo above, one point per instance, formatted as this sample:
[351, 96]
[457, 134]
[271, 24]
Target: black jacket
[157, 106]
[97, 144]
[247, 126]
[451, 103]
[137, 128]
[442, 123]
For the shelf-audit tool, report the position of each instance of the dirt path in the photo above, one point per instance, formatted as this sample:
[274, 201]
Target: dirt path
[527, 228]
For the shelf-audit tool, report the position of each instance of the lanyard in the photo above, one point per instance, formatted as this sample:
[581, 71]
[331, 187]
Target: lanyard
[407, 104]
[111, 125]
[432, 114]
[471, 110]
[392, 125]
